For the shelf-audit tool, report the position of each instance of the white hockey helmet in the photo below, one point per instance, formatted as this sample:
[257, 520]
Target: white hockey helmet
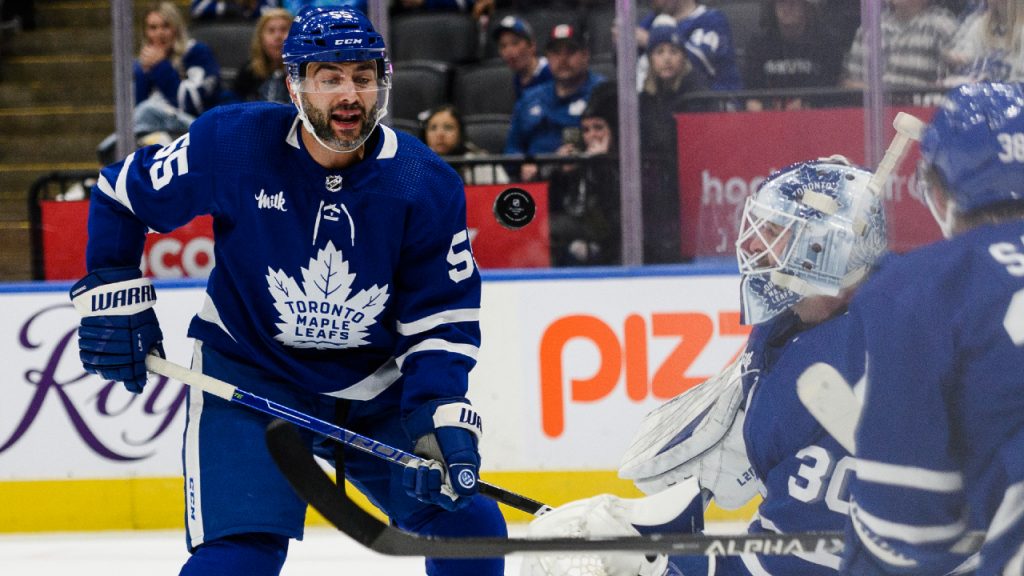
[812, 228]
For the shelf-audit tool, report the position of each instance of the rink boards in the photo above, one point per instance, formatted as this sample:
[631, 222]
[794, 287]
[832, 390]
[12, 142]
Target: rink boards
[569, 365]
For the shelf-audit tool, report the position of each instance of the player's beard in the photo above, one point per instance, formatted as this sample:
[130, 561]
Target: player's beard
[321, 123]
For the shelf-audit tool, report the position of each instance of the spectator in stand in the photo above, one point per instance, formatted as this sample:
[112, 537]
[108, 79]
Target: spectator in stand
[175, 77]
[914, 35]
[445, 134]
[793, 50]
[263, 76]
[548, 115]
[670, 78]
[230, 9]
[518, 49]
[989, 45]
[707, 37]
[583, 202]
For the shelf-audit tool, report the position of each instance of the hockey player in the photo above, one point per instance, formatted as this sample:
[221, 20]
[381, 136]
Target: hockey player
[807, 238]
[940, 442]
[344, 282]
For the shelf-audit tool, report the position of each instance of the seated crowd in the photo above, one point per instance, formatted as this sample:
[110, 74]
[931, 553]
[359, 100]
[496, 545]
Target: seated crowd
[686, 48]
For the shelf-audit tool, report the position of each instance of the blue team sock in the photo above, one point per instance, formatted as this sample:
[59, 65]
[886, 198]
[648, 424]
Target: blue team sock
[480, 517]
[254, 554]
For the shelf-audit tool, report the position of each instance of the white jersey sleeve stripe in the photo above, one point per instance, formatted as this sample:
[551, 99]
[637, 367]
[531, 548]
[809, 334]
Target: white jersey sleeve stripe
[1009, 513]
[910, 533]
[104, 185]
[909, 476]
[879, 550]
[390, 146]
[210, 313]
[435, 320]
[120, 192]
[438, 345]
[370, 387]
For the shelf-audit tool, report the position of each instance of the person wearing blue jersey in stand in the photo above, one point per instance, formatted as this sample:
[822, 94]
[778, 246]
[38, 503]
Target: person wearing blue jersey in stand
[707, 36]
[547, 116]
[344, 287]
[808, 238]
[176, 78]
[940, 440]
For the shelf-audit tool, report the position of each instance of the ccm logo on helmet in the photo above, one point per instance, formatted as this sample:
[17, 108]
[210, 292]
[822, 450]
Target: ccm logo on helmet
[348, 41]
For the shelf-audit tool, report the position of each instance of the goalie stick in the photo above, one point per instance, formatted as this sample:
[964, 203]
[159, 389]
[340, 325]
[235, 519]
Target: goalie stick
[821, 388]
[370, 446]
[831, 401]
[309, 480]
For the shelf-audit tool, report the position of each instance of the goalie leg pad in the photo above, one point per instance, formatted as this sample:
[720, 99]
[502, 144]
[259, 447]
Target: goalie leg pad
[678, 509]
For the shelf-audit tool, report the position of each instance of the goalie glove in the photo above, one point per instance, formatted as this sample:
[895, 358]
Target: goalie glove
[119, 327]
[698, 433]
[449, 440]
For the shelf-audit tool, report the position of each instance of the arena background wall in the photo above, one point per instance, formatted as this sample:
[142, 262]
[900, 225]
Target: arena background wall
[570, 364]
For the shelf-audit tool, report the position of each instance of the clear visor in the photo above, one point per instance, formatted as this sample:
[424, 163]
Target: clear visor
[335, 77]
[766, 238]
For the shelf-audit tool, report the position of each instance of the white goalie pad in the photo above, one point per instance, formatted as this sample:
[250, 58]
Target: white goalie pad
[698, 433]
[608, 515]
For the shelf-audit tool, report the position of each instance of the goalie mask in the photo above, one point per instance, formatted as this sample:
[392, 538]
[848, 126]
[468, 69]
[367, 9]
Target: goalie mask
[812, 228]
[974, 145]
[337, 35]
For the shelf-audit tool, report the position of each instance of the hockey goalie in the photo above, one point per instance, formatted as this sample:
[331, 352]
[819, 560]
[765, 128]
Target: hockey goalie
[808, 238]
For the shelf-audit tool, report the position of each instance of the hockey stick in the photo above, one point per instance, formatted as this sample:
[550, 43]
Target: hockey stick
[831, 401]
[372, 447]
[314, 486]
[908, 128]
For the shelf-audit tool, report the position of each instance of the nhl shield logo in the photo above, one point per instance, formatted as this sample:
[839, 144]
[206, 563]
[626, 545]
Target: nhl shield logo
[333, 183]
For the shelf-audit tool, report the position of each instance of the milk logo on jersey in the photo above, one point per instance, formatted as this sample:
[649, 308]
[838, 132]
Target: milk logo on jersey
[322, 313]
[266, 201]
[333, 183]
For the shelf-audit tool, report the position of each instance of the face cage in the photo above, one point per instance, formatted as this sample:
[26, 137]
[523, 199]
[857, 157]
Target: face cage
[774, 256]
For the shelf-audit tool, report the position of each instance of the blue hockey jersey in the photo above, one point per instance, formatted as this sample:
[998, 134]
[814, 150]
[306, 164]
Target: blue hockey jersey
[803, 469]
[709, 45]
[541, 116]
[941, 437]
[339, 281]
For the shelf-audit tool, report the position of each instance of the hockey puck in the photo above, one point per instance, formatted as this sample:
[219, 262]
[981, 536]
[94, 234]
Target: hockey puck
[514, 208]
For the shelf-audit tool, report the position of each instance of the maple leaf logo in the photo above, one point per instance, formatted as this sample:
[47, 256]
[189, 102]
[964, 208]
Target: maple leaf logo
[320, 314]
